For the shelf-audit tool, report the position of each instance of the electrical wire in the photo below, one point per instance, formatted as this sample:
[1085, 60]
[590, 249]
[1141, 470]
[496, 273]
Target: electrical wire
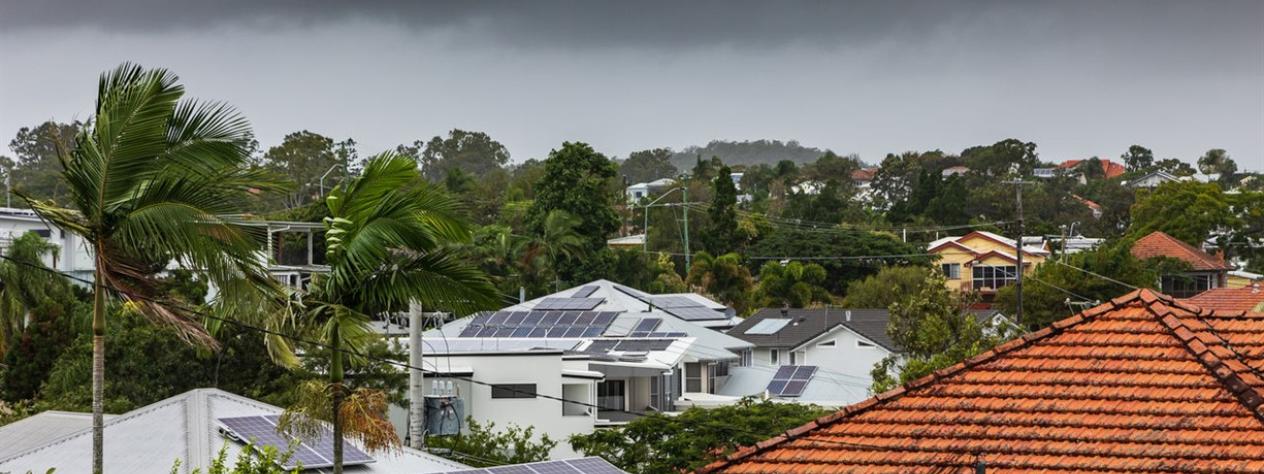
[402, 365]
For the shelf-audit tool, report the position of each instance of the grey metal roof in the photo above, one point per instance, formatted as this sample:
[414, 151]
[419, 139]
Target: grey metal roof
[151, 438]
[808, 323]
[36, 430]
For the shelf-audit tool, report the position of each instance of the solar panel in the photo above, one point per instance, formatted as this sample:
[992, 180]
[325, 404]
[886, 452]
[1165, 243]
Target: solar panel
[647, 325]
[498, 318]
[589, 465]
[695, 313]
[673, 302]
[791, 380]
[584, 291]
[310, 453]
[768, 326]
[471, 331]
[568, 303]
[668, 334]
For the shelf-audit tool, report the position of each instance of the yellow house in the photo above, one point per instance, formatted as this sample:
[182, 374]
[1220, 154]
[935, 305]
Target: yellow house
[983, 261]
[1242, 279]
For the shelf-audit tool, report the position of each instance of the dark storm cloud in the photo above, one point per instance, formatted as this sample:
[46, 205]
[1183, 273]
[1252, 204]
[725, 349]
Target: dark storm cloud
[582, 24]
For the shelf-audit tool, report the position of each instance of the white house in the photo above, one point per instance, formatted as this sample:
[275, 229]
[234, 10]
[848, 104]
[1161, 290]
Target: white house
[842, 344]
[72, 256]
[639, 191]
[191, 427]
[1154, 178]
[593, 356]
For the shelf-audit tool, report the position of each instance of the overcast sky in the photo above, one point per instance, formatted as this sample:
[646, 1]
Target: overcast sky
[1078, 78]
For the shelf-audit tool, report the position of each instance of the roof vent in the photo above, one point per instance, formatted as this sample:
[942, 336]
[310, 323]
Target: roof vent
[848, 315]
[785, 310]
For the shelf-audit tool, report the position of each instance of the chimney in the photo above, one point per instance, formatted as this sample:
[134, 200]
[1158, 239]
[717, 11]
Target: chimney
[785, 310]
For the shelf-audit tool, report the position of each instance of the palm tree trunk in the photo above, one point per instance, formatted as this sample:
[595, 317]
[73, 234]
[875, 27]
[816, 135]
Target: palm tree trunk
[98, 375]
[335, 384]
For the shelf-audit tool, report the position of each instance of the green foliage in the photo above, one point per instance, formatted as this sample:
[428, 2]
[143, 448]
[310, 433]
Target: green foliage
[1187, 210]
[483, 446]
[655, 273]
[934, 330]
[475, 154]
[1138, 158]
[37, 170]
[658, 443]
[648, 165]
[249, 461]
[1216, 161]
[577, 180]
[721, 234]
[795, 284]
[149, 363]
[838, 242]
[886, 287]
[1002, 158]
[724, 278]
[302, 159]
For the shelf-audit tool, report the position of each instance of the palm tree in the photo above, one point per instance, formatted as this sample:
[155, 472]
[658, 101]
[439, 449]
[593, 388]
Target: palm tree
[387, 244]
[148, 180]
[560, 241]
[24, 287]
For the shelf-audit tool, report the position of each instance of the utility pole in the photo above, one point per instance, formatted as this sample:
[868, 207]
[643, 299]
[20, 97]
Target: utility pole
[1062, 254]
[685, 200]
[1018, 250]
[416, 392]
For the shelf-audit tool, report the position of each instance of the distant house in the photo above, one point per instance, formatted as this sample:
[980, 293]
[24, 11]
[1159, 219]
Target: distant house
[1143, 383]
[191, 427]
[73, 255]
[982, 261]
[1249, 299]
[863, 177]
[844, 343]
[1206, 271]
[954, 171]
[1110, 169]
[627, 242]
[616, 351]
[1153, 179]
[639, 191]
[1074, 244]
[1242, 278]
[1094, 208]
[588, 465]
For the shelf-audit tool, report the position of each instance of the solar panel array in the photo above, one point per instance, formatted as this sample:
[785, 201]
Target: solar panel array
[791, 380]
[317, 452]
[695, 313]
[590, 465]
[540, 324]
[603, 346]
[566, 304]
[678, 306]
[768, 326]
[584, 291]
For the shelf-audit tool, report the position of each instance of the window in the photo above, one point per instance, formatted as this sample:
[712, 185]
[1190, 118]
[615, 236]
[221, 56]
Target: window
[610, 394]
[993, 277]
[747, 356]
[45, 233]
[774, 357]
[829, 343]
[693, 377]
[722, 369]
[794, 359]
[862, 343]
[1185, 286]
[711, 372]
[951, 270]
[514, 390]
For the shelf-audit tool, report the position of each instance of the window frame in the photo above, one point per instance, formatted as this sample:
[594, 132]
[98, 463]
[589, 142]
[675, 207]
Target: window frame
[951, 271]
[514, 391]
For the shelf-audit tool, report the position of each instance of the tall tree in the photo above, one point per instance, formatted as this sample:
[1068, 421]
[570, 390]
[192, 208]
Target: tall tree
[577, 180]
[886, 287]
[796, 284]
[303, 158]
[147, 182]
[1187, 210]
[388, 238]
[558, 242]
[721, 235]
[474, 153]
[1003, 157]
[1175, 166]
[36, 170]
[723, 277]
[1217, 161]
[648, 165]
[1138, 158]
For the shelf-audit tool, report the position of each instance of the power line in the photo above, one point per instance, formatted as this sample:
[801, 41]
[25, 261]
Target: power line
[402, 365]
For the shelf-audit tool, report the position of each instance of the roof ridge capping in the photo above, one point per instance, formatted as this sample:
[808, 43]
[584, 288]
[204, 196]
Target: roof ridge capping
[1158, 304]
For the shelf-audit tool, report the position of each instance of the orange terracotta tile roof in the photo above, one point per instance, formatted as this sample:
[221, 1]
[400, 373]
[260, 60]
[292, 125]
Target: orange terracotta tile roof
[1143, 383]
[1250, 298]
[1159, 244]
[1110, 168]
[864, 174]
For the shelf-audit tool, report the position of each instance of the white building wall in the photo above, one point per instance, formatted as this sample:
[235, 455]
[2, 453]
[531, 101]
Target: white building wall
[846, 356]
[72, 256]
[544, 414]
